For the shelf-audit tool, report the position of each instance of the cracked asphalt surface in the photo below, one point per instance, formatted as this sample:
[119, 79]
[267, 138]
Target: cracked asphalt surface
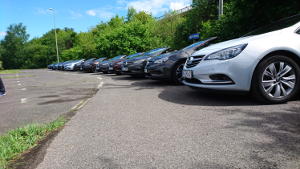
[142, 123]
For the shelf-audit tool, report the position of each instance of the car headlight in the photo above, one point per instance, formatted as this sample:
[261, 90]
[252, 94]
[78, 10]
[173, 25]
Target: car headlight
[139, 61]
[119, 63]
[227, 53]
[162, 60]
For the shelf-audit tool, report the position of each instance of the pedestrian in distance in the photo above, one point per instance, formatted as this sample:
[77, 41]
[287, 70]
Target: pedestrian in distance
[2, 88]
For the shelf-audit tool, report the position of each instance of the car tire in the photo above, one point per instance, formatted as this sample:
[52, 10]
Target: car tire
[275, 80]
[105, 72]
[94, 69]
[177, 73]
[118, 73]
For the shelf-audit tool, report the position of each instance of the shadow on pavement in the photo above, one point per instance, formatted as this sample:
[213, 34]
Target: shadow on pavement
[282, 128]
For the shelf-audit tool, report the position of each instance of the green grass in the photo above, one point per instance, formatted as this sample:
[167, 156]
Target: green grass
[23, 138]
[9, 71]
[18, 77]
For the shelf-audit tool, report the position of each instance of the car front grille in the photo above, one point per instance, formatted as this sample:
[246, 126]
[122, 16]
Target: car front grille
[195, 61]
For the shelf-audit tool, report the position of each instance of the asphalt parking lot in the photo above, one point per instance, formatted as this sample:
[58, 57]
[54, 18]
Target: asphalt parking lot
[142, 123]
[39, 96]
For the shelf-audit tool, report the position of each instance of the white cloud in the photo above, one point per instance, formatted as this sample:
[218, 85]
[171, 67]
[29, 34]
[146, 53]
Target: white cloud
[3, 33]
[75, 15]
[122, 1]
[41, 11]
[101, 13]
[157, 6]
[91, 12]
[176, 5]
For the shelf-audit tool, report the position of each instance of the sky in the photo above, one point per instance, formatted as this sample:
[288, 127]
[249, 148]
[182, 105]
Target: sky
[80, 15]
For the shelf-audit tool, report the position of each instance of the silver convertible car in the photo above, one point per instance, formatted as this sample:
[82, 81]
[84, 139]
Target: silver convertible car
[264, 62]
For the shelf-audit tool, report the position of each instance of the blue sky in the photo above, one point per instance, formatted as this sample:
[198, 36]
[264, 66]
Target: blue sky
[80, 15]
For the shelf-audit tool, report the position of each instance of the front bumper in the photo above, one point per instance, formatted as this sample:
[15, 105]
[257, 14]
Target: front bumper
[69, 67]
[86, 68]
[157, 71]
[239, 70]
[102, 68]
[134, 69]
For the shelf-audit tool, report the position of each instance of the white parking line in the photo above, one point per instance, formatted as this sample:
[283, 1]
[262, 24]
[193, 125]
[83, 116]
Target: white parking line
[23, 89]
[18, 81]
[24, 100]
[100, 85]
[99, 78]
[19, 84]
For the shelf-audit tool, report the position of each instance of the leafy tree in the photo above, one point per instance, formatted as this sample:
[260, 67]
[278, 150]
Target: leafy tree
[13, 43]
[130, 13]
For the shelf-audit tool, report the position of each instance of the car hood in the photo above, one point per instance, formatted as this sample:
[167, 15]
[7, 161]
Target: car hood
[102, 63]
[119, 60]
[167, 55]
[233, 42]
[140, 58]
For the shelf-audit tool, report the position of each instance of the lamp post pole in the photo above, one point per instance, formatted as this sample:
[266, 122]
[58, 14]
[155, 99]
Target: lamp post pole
[220, 8]
[55, 35]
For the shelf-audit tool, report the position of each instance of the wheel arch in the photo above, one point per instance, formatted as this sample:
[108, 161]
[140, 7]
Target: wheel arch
[173, 66]
[289, 54]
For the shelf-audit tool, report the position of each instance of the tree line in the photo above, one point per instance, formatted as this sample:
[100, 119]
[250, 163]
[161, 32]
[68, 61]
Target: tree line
[140, 31]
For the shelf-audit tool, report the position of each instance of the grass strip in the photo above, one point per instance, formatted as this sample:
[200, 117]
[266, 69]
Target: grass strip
[18, 77]
[23, 138]
[9, 71]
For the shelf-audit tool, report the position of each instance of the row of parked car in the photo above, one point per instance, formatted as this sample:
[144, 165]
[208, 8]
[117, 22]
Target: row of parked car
[264, 62]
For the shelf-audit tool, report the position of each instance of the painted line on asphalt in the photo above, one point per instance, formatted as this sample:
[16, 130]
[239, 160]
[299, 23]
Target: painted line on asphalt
[19, 84]
[84, 103]
[99, 78]
[100, 85]
[23, 89]
[18, 81]
[24, 100]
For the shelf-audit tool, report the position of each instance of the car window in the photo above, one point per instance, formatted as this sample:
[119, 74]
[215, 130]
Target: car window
[284, 23]
[117, 57]
[298, 31]
[194, 44]
[132, 56]
[154, 52]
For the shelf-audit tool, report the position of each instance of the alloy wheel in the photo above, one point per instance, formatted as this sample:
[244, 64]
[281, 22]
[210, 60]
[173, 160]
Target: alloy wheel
[179, 72]
[278, 79]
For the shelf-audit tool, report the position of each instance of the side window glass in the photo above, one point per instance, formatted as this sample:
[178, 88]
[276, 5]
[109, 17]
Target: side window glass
[298, 31]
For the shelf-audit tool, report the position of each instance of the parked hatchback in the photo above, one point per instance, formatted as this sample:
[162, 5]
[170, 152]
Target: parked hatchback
[116, 66]
[103, 66]
[264, 62]
[169, 66]
[135, 66]
[91, 66]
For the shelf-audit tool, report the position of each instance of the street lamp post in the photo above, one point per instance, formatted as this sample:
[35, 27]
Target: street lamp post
[55, 35]
[220, 8]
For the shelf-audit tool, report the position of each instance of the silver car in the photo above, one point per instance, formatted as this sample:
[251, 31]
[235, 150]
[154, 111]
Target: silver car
[264, 62]
[71, 66]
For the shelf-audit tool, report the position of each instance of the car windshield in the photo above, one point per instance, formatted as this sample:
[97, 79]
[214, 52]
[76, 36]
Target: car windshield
[117, 57]
[283, 23]
[98, 60]
[154, 52]
[193, 45]
[132, 56]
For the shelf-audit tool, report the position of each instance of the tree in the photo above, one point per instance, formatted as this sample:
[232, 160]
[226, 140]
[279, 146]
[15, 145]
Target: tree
[13, 43]
[131, 11]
